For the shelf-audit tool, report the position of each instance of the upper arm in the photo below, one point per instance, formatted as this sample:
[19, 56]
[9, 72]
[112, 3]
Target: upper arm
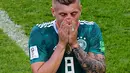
[96, 40]
[37, 49]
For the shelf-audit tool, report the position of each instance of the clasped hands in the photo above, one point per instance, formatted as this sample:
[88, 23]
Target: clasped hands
[67, 32]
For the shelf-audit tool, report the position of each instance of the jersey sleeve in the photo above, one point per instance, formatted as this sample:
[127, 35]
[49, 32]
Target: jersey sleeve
[96, 40]
[37, 49]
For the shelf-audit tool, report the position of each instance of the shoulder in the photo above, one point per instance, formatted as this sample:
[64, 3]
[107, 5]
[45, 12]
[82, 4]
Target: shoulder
[40, 33]
[43, 27]
[88, 25]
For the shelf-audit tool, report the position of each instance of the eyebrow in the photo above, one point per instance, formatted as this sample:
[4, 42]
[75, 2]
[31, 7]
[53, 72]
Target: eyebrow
[71, 12]
[74, 12]
[62, 13]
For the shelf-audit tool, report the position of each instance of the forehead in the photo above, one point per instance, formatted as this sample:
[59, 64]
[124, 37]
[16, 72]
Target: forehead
[67, 8]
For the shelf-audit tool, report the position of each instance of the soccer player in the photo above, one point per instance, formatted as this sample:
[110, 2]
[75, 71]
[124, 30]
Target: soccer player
[67, 45]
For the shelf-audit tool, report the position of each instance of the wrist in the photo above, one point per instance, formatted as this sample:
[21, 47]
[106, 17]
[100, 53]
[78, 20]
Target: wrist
[76, 45]
[61, 45]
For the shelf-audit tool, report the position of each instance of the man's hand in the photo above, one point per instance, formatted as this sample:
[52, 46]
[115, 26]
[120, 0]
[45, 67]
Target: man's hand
[73, 31]
[63, 33]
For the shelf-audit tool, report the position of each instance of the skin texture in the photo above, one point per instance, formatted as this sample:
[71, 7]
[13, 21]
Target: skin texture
[67, 17]
[90, 62]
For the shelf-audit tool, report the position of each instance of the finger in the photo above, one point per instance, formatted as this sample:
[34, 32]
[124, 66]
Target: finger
[64, 28]
[66, 32]
[60, 26]
[72, 28]
[75, 25]
[64, 23]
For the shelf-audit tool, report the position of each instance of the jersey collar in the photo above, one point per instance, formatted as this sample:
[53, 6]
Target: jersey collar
[54, 25]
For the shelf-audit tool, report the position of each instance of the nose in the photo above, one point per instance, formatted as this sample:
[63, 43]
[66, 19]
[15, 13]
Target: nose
[69, 18]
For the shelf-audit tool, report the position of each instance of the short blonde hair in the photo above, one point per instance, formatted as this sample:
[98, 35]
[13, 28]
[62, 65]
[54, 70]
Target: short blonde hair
[65, 2]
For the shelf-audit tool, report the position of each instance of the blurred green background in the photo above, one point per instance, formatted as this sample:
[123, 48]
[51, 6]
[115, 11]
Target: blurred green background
[113, 17]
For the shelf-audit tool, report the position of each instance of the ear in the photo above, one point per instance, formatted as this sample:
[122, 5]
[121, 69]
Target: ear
[53, 11]
[81, 8]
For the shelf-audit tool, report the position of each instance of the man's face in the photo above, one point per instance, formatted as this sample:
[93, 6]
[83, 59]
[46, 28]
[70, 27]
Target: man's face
[68, 13]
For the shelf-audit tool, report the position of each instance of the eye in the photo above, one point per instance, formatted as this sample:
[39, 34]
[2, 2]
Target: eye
[74, 13]
[63, 14]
